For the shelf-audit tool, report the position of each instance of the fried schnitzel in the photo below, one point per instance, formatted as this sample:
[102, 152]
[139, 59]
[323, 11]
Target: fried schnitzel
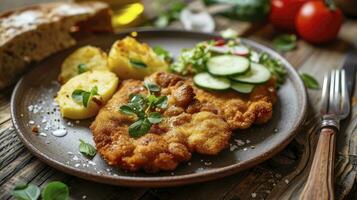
[195, 120]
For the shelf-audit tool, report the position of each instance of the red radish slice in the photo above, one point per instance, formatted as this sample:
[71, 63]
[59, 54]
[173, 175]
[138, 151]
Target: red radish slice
[219, 42]
[240, 50]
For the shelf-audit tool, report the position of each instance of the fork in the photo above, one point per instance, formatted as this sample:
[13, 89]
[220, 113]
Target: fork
[335, 106]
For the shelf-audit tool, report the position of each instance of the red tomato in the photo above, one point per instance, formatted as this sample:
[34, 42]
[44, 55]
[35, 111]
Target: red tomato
[317, 23]
[283, 13]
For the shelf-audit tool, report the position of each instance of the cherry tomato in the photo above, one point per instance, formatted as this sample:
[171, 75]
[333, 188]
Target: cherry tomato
[283, 13]
[317, 23]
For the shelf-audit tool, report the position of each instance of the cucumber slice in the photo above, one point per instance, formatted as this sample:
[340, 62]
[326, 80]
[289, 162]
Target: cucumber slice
[227, 65]
[242, 87]
[208, 81]
[257, 74]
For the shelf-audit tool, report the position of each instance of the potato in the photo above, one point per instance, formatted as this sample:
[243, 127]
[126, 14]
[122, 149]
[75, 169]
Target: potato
[130, 59]
[106, 83]
[84, 59]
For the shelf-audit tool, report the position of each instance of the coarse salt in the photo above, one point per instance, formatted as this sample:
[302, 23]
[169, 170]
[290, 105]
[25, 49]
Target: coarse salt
[59, 133]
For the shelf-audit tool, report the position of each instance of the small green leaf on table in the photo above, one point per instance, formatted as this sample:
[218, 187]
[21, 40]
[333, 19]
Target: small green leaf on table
[309, 81]
[55, 190]
[26, 192]
[285, 42]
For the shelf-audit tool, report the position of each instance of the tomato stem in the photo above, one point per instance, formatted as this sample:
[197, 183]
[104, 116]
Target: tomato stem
[330, 4]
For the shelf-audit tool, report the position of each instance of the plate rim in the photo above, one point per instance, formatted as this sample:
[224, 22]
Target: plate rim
[176, 180]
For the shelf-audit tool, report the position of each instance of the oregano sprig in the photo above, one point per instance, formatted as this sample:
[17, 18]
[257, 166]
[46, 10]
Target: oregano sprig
[83, 97]
[141, 106]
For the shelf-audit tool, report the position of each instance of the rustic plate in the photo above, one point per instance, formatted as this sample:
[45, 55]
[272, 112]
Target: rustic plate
[32, 103]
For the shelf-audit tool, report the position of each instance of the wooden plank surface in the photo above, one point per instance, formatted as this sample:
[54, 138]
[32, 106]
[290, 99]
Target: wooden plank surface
[281, 177]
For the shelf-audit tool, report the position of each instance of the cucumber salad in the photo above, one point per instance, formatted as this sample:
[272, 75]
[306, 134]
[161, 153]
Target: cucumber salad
[226, 63]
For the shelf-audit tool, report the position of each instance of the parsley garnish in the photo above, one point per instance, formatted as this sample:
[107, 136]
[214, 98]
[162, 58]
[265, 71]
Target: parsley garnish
[26, 192]
[137, 63]
[81, 68]
[83, 97]
[141, 106]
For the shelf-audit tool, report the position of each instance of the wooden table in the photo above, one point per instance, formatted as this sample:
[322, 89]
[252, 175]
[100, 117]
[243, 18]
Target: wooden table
[281, 177]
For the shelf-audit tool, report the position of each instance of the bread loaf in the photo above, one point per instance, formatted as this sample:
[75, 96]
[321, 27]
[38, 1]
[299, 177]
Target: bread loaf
[30, 34]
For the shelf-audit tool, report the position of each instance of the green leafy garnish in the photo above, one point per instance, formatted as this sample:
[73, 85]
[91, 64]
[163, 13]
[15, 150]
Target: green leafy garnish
[87, 149]
[163, 53]
[81, 68]
[309, 81]
[170, 15]
[274, 66]
[192, 60]
[55, 190]
[83, 97]
[141, 106]
[285, 42]
[138, 63]
[26, 192]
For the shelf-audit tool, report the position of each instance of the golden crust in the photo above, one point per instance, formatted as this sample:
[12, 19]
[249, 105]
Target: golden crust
[195, 121]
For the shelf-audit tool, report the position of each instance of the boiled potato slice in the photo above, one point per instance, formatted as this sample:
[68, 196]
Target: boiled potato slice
[105, 81]
[130, 59]
[84, 59]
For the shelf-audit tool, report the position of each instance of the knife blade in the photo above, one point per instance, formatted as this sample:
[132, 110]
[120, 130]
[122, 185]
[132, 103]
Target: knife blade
[350, 66]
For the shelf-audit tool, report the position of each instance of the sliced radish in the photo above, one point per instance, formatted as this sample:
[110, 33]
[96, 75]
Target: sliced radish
[220, 49]
[240, 50]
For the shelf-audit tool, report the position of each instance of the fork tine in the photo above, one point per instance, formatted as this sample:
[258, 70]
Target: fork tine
[337, 92]
[344, 95]
[325, 94]
[331, 106]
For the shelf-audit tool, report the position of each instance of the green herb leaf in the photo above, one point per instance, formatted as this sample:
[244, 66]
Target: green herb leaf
[138, 63]
[26, 192]
[126, 110]
[285, 42]
[152, 87]
[55, 190]
[163, 53]
[81, 68]
[77, 95]
[86, 96]
[151, 99]
[155, 117]
[139, 128]
[137, 108]
[87, 149]
[94, 91]
[137, 98]
[161, 102]
[309, 81]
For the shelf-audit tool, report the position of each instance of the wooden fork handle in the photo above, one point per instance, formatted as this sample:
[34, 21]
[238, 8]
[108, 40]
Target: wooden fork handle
[319, 185]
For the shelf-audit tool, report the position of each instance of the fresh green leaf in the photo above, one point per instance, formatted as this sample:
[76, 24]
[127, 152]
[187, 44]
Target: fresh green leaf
[162, 21]
[163, 53]
[77, 95]
[137, 98]
[229, 34]
[139, 128]
[55, 190]
[126, 110]
[26, 192]
[86, 96]
[285, 42]
[155, 117]
[151, 99]
[87, 149]
[161, 102]
[138, 63]
[137, 108]
[152, 87]
[81, 68]
[94, 91]
[274, 66]
[309, 81]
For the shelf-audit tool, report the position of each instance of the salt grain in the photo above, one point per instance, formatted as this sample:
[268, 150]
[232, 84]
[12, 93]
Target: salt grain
[43, 134]
[31, 122]
[240, 142]
[254, 195]
[75, 158]
[92, 163]
[59, 133]
[77, 165]
[286, 181]
[232, 147]
[84, 197]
